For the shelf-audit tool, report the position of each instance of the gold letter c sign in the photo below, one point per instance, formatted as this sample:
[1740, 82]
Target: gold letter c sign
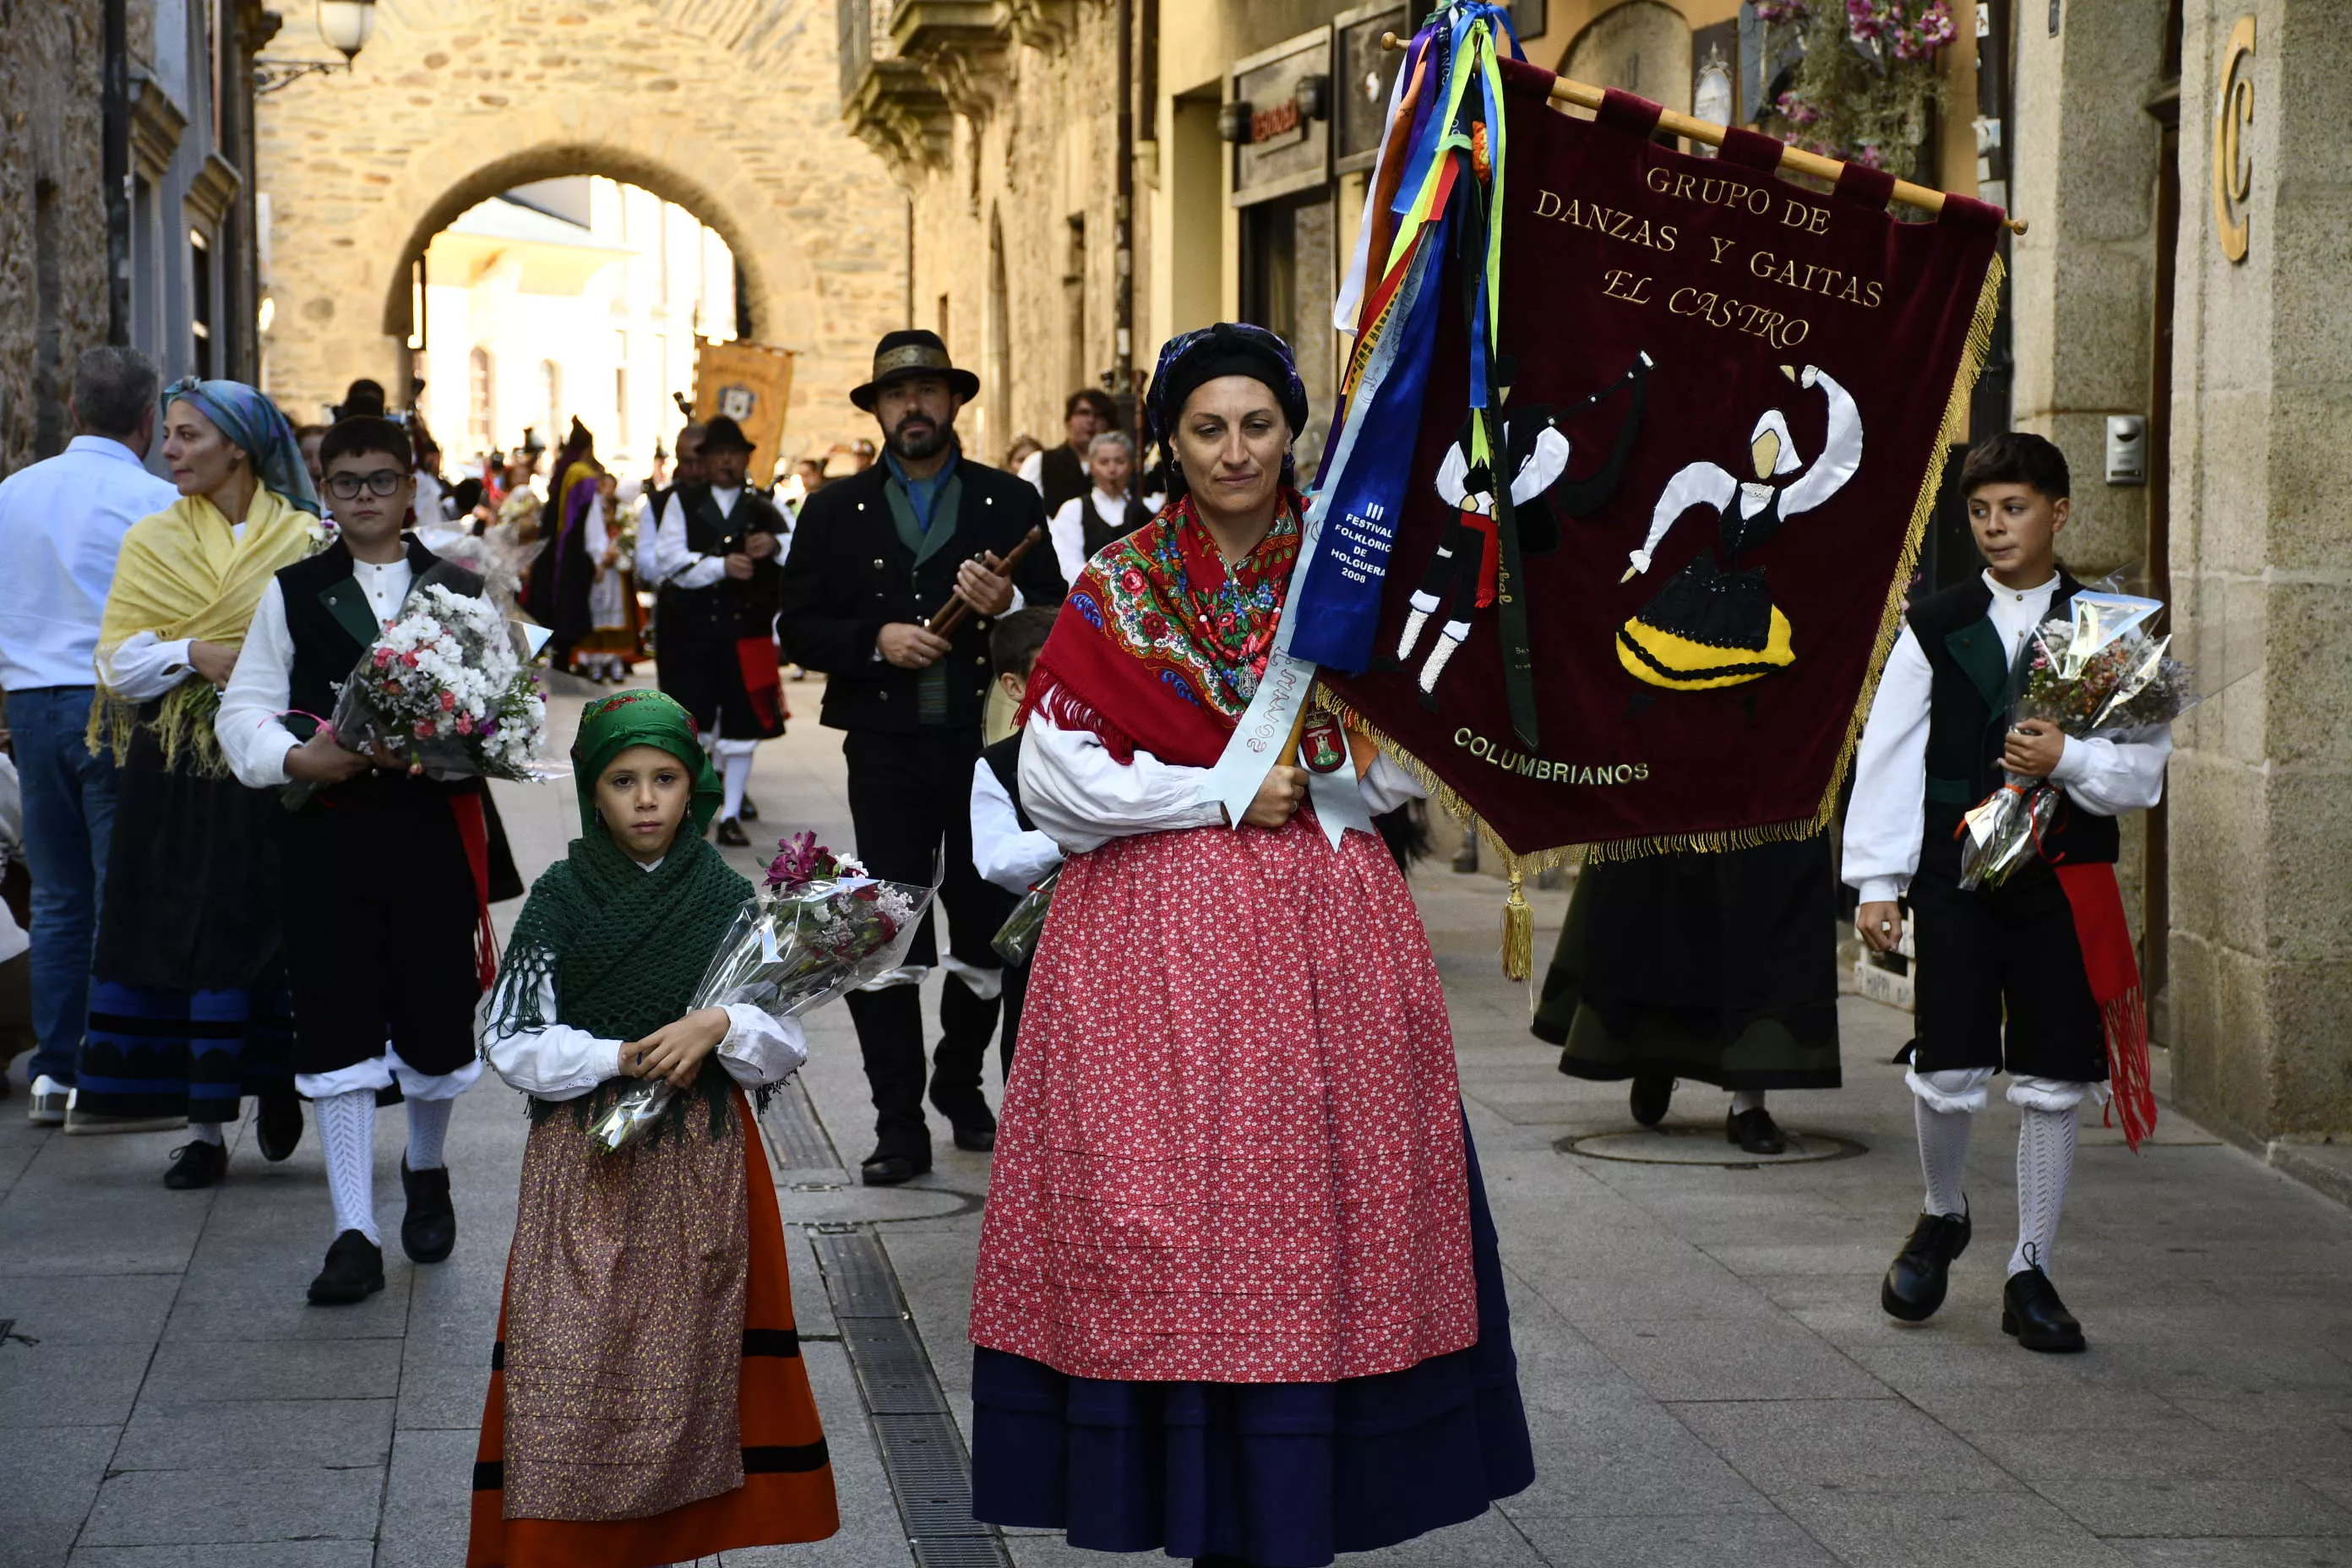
[2233, 171]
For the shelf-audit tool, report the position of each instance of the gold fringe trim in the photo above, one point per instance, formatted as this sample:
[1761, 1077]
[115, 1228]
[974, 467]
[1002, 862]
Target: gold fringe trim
[1726, 840]
[183, 726]
[1518, 932]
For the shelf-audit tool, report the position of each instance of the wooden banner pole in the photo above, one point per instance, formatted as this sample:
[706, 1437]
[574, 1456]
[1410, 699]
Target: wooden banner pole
[1584, 97]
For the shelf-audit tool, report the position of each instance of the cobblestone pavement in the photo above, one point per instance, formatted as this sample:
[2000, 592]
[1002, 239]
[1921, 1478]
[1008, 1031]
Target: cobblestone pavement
[1705, 1367]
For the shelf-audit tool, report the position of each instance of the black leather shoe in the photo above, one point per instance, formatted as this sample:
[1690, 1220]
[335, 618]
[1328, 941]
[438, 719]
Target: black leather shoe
[1650, 1097]
[750, 812]
[892, 1170]
[354, 1272]
[1914, 1284]
[731, 834]
[974, 1123]
[428, 1231]
[2032, 1313]
[277, 1126]
[1755, 1131]
[196, 1164]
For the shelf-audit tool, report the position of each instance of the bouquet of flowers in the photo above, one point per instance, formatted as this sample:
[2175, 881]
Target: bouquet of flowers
[447, 685]
[818, 927]
[1016, 938]
[2099, 673]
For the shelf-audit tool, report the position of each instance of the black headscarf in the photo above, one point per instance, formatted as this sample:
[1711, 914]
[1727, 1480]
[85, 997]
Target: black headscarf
[1192, 360]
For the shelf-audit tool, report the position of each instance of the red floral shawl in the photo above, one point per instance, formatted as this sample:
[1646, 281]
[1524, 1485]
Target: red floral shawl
[1159, 647]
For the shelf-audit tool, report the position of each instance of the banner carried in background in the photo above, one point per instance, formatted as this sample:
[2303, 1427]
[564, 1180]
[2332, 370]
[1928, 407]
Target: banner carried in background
[1641, 605]
[750, 383]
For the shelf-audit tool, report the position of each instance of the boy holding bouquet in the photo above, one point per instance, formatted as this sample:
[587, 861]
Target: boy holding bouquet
[2002, 978]
[1007, 848]
[386, 871]
[604, 1442]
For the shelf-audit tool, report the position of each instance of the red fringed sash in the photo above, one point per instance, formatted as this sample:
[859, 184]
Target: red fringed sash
[2114, 972]
[473, 831]
[1158, 647]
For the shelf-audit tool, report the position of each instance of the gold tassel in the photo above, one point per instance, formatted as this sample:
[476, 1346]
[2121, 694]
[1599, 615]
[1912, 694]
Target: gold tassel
[1518, 932]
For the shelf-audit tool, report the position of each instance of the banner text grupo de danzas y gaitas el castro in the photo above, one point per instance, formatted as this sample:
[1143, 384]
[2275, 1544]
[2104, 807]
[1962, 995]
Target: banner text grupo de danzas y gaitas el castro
[1728, 401]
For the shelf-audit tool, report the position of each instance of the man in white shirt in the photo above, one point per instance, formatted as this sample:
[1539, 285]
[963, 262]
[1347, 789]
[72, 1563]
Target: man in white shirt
[2001, 980]
[1087, 523]
[61, 528]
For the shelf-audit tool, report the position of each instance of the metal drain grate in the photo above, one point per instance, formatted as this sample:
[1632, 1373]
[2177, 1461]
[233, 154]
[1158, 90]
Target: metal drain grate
[922, 1452]
[801, 1140]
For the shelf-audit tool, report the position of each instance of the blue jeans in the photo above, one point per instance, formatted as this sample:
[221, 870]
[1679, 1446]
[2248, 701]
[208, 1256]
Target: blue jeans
[69, 824]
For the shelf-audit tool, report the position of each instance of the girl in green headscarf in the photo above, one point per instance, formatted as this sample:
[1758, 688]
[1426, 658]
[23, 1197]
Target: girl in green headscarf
[647, 1403]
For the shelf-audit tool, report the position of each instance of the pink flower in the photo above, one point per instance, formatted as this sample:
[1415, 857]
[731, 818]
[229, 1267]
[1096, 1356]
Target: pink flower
[803, 859]
[382, 656]
[449, 701]
[423, 731]
[464, 725]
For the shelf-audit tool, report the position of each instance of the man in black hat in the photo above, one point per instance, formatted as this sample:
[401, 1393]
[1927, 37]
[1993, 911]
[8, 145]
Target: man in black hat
[876, 553]
[718, 553]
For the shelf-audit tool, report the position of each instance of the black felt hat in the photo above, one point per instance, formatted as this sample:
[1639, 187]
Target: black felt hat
[913, 352]
[721, 434]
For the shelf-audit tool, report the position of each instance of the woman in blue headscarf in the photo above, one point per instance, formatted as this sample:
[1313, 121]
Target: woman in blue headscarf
[187, 1008]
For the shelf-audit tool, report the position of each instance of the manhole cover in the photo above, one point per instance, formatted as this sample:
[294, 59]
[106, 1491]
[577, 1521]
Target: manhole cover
[1702, 1146]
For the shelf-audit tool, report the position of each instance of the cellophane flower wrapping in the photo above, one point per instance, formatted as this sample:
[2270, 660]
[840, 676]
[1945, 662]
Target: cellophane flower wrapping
[1015, 941]
[819, 928]
[448, 685]
[2100, 673]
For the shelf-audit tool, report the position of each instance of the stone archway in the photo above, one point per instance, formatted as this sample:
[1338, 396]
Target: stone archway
[728, 107]
[1640, 46]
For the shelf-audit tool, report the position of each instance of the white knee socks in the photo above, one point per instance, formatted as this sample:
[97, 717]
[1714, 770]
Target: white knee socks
[1744, 1101]
[1943, 1155]
[207, 1132]
[347, 1128]
[2045, 1158]
[428, 1126]
[735, 771]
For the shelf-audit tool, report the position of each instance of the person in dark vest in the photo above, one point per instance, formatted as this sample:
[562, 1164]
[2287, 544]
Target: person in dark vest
[1107, 511]
[2000, 977]
[719, 556]
[688, 470]
[1059, 473]
[1007, 848]
[875, 554]
[387, 885]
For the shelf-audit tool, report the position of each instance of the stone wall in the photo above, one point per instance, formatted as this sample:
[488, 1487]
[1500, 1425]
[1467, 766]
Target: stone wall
[2262, 463]
[727, 107]
[52, 216]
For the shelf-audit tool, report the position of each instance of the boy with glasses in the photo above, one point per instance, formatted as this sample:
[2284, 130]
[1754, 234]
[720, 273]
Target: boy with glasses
[386, 886]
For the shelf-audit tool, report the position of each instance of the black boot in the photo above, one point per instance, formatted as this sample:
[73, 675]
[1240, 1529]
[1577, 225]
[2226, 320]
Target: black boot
[428, 1231]
[196, 1164]
[277, 1124]
[967, 1023]
[891, 1039]
[731, 834]
[1650, 1097]
[354, 1272]
[1755, 1131]
[2032, 1313]
[1915, 1283]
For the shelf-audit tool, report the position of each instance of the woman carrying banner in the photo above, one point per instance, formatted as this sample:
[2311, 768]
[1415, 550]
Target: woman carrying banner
[1237, 1278]
[1716, 967]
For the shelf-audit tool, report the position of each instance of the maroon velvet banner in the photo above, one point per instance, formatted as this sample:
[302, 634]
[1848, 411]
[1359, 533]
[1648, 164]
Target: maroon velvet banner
[1729, 404]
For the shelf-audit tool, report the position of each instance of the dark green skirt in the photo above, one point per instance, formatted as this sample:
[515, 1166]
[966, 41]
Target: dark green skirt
[1718, 968]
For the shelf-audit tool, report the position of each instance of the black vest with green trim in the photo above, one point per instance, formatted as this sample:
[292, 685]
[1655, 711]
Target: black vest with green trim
[730, 609]
[1969, 715]
[330, 624]
[1003, 760]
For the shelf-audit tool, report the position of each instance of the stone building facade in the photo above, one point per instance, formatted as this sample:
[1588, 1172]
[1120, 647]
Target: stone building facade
[725, 107]
[187, 126]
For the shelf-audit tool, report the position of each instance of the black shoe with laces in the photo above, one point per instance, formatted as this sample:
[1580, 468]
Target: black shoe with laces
[750, 812]
[882, 1169]
[1921, 1273]
[1650, 1097]
[354, 1272]
[731, 834]
[196, 1164]
[428, 1231]
[2032, 1313]
[277, 1126]
[1755, 1131]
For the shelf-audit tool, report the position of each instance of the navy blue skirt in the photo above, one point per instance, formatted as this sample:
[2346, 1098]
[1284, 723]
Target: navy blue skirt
[1281, 1475]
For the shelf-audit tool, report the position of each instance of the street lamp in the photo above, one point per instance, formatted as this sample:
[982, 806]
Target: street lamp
[344, 25]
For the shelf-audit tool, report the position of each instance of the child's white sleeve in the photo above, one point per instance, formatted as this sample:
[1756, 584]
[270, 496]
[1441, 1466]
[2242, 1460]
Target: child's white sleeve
[1889, 810]
[1002, 853]
[760, 1049]
[551, 1061]
[2109, 777]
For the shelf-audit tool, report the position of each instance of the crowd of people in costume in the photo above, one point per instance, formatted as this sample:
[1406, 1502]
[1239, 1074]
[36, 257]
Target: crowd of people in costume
[1239, 1297]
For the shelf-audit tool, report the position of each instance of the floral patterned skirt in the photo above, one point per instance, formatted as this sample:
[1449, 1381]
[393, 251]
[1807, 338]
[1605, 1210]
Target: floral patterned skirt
[1231, 1148]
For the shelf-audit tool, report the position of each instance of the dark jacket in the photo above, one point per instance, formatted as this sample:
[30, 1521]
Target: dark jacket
[849, 574]
[1969, 712]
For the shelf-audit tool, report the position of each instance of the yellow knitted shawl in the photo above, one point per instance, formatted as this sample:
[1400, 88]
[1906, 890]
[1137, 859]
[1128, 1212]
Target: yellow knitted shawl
[184, 573]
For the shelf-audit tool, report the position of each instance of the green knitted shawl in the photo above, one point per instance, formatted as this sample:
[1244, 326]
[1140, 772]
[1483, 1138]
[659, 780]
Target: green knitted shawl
[626, 948]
